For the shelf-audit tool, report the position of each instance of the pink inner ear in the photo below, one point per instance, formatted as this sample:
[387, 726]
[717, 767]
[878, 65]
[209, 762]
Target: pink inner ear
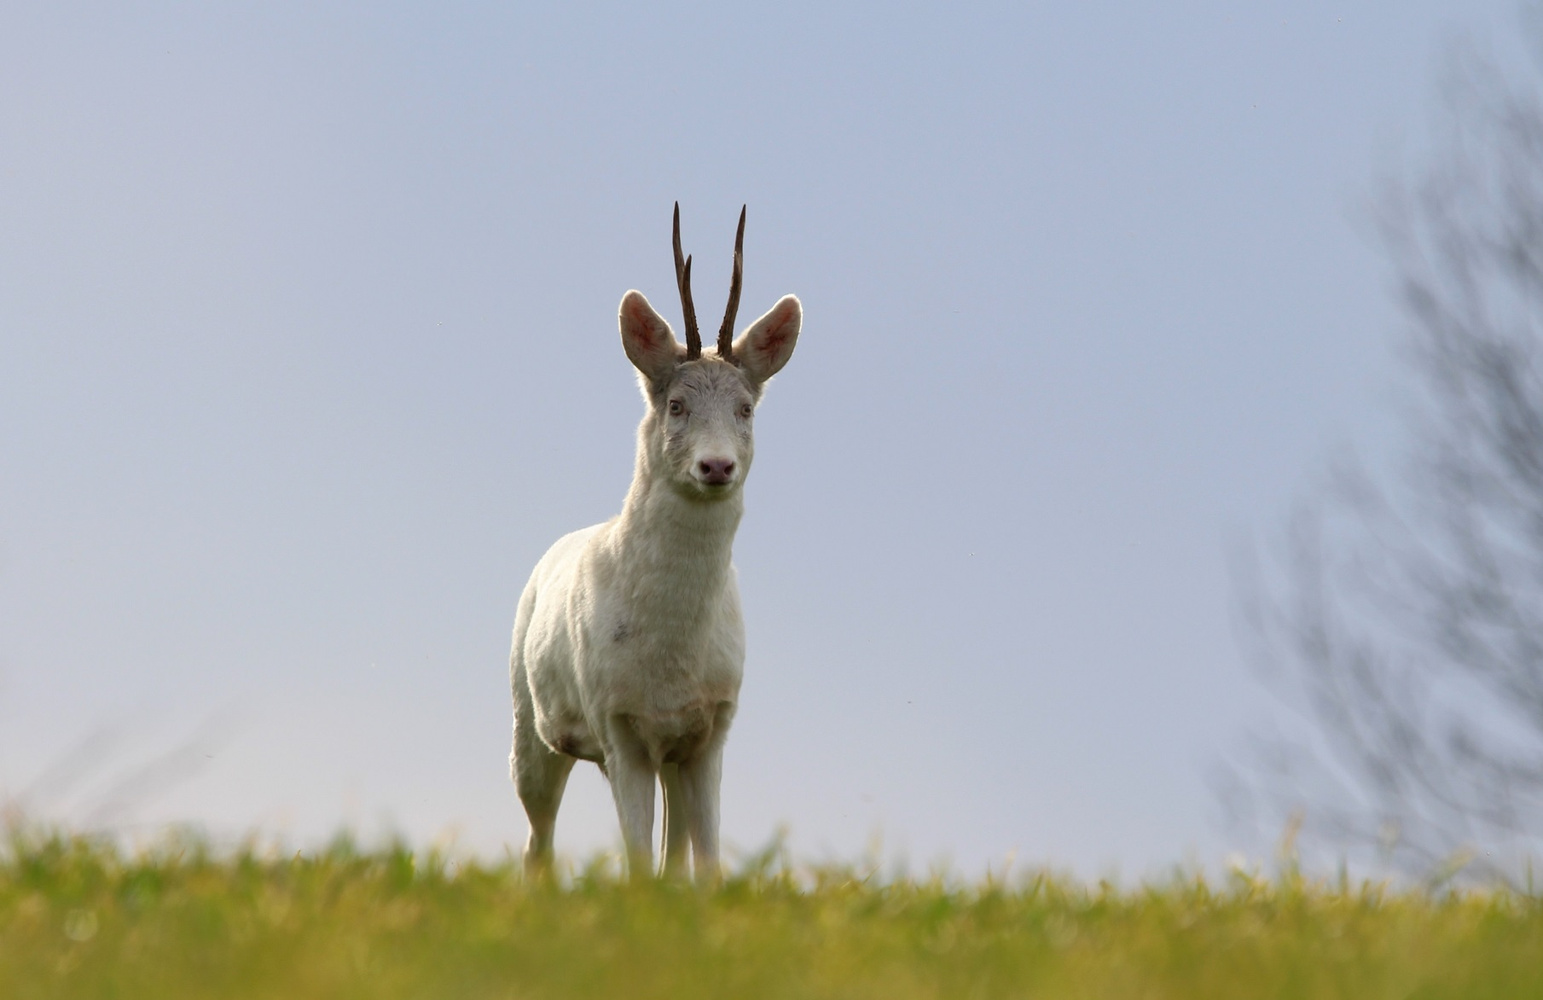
[641, 330]
[772, 338]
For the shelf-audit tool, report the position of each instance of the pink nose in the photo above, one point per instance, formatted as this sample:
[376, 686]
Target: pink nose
[716, 471]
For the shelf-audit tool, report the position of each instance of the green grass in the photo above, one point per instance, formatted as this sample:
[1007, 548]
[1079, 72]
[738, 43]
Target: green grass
[79, 918]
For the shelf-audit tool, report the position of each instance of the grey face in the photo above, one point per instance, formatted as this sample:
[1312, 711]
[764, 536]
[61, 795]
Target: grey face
[702, 421]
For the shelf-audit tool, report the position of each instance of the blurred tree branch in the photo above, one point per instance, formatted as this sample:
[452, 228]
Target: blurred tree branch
[1405, 613]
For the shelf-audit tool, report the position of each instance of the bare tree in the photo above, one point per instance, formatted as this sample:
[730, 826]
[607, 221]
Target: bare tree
[1406, 611]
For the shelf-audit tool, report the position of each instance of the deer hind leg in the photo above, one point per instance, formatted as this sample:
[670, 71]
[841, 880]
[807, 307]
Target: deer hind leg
[540, 776]
[675, 822]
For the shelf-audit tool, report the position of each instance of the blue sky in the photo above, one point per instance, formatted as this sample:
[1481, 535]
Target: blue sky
[308, 350]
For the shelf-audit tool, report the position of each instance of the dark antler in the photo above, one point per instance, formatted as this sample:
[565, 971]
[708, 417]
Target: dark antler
[683, 282]
[726, 331]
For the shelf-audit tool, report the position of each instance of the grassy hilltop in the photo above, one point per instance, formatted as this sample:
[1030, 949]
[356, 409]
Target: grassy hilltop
[78, 918]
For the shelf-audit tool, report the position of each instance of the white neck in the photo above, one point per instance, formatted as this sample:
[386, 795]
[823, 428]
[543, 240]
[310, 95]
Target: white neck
[677, 551]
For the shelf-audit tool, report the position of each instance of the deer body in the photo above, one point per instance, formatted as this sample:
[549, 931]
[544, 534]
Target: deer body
[629, 644]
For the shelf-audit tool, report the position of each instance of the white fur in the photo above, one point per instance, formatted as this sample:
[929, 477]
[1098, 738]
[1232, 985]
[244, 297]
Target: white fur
[628, 643]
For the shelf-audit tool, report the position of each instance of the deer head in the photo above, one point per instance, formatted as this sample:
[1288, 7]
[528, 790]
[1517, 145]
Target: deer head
[697, 432]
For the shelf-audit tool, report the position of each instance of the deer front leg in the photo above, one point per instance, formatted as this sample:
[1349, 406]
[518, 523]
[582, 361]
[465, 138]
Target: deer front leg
[633, 775]
[699, 783]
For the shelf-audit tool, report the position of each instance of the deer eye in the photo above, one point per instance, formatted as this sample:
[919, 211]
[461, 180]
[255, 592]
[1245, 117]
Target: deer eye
[677, 408]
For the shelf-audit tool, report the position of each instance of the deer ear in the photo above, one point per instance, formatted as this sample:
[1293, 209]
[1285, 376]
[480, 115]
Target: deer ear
[767, 344]
[647, 338]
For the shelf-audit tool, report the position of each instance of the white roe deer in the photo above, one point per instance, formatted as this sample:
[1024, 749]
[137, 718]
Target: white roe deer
[629, 645]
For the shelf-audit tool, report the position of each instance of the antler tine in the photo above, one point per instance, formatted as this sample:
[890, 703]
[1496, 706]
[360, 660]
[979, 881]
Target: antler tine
[726, 331]
[683, 282]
